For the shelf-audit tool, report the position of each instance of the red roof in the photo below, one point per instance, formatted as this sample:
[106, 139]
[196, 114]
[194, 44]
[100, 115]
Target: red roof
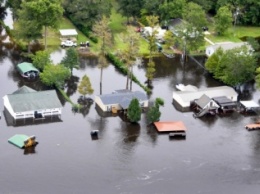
[170, 126]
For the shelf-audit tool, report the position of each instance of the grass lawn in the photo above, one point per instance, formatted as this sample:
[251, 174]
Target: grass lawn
[234, 34]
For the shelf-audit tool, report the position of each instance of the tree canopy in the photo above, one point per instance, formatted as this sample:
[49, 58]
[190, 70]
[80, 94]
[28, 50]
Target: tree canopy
[55, 75]
[223, 20]
[85, 87]
[41, 59]
[134, 111]
[71, 60]
[233, 67]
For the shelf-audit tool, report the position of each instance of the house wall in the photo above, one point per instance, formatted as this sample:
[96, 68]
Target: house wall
[30, 114]
[211, 104]
[99, 102]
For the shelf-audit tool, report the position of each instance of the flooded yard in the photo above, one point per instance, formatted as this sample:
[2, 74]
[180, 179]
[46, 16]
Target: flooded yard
[217, 156]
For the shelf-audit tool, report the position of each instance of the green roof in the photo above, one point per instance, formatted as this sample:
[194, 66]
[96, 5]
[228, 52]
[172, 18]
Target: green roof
[25, 67]
[18, 140]
[27, 99]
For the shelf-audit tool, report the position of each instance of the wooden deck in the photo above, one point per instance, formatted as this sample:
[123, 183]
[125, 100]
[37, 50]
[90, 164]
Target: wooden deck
[251, 127]
[175, 126]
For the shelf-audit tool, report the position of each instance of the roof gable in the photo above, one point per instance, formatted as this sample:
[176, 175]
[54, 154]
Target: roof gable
[25, 67]
[203, 101]
[24, 89]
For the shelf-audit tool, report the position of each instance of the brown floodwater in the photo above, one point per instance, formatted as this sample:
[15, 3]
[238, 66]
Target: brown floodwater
[218, 155]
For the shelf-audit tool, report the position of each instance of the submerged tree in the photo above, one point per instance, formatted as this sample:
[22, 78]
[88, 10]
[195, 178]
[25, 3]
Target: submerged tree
[71, 60]
[152, 22]
[154, 113]
[130, 54]
[102, 30]
[134, 111]
[85, 87]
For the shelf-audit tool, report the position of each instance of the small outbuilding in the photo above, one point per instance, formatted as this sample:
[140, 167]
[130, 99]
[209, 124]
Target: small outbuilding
[27, 70]
[23, 141]
[249, 106]
[69, 34]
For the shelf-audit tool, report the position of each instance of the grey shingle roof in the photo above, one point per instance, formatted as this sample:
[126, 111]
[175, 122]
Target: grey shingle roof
[203, 101]
[32, 100]
[122, 98]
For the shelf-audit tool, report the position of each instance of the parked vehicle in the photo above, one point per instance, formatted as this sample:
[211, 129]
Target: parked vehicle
[68, 43]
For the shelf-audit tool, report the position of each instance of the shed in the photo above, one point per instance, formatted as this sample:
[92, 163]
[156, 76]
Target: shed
[225, 103]
[68, 32]
[249, 106]
[27, 70]
[23, 141]
[71, 34]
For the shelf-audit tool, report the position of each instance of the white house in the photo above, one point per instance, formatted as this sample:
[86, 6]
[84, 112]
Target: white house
[226, 46]
[28, 103]
[183, 99]
[120, 100]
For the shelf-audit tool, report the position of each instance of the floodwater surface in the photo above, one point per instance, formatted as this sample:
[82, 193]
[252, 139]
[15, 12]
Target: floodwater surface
[218, 155]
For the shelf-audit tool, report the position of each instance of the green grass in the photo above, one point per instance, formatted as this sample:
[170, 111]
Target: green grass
[234, 34]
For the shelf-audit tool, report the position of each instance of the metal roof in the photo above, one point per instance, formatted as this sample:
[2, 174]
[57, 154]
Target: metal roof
[25, 67]
[24, 89]
[122, 98]
[249, 104]
[33, 100]
[68, 32]
[18, 140]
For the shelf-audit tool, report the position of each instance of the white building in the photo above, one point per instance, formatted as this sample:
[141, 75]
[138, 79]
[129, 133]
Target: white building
[28, 103]
[226, 46]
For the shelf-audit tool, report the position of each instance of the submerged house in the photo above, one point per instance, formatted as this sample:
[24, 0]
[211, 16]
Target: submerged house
[27, 70]
[28, 103]
[120, 100]
[205, 105]
[183, 99]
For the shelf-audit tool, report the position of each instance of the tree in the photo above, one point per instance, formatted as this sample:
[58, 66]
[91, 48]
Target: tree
[42, 13]
[55, 75]
[131, 52]
[32, 31]
[154, 113]
[71, 60]
[223, 20]
[168, 42]
[233, 67]
[152, 22]
[41, 59]
[189, 34]
[102, 30]
[130, 8]
[85, 13]
[134, 111]
[171, 9]
[85, 87]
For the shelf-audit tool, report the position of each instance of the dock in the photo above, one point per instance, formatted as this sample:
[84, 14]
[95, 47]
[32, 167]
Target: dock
[251, 127]
[174, 128]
